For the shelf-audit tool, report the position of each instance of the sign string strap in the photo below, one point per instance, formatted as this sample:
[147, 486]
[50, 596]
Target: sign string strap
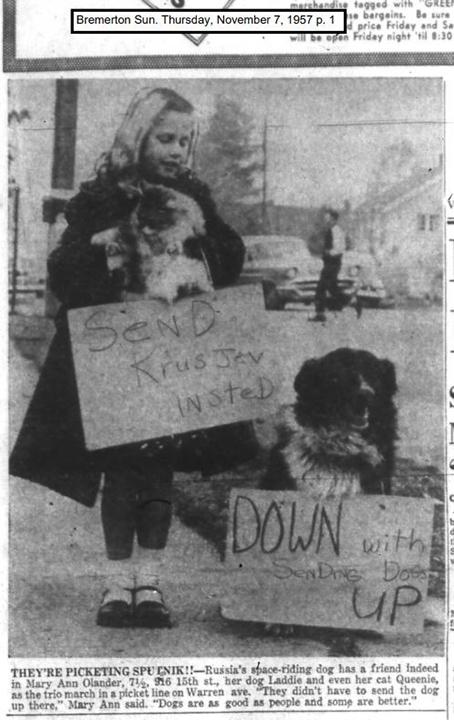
[207, 267]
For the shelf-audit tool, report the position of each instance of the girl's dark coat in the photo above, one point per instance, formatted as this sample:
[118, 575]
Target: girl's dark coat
[50, 447]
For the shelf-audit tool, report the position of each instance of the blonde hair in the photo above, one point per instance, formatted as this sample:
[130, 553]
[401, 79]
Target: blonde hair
[122, 162]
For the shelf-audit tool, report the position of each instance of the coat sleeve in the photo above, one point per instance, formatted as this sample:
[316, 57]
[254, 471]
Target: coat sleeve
[222, 246]
[78, 273]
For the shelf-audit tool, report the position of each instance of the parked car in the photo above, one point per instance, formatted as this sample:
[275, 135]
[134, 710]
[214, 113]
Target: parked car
[274, 256]
[363, 268]
[290, 274]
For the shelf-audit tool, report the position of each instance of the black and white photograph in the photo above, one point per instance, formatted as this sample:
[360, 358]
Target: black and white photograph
[226, 367]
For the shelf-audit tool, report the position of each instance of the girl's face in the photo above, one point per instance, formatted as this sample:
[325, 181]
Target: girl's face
[166, 148]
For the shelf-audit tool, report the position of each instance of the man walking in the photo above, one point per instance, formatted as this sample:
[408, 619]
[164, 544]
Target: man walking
[334, 247]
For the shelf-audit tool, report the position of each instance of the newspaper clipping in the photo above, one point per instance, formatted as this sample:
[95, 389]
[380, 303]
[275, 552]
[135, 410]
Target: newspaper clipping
[230, 263]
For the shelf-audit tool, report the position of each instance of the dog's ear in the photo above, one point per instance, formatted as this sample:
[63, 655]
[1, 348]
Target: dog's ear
[388, 377]
[306, 377]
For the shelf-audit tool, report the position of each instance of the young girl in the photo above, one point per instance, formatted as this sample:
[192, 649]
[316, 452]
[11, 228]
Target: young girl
[155, 145]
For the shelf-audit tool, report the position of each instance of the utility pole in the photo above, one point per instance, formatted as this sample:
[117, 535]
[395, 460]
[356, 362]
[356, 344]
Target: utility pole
[64, 158]
[265, 216]
[65, 134]
[15, 191]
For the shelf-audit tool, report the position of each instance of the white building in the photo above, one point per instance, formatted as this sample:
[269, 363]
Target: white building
[403, 228]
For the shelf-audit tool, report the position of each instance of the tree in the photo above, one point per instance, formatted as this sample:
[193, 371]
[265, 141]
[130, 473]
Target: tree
[397, 162]
[227, 158]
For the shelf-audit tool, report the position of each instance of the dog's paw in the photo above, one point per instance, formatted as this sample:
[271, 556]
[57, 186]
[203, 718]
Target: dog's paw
[278, 630]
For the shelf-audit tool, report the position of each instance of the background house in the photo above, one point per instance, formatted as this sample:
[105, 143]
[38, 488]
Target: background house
[403, 228]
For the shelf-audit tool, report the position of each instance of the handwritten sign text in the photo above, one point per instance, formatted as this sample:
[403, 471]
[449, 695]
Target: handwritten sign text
[359, 563]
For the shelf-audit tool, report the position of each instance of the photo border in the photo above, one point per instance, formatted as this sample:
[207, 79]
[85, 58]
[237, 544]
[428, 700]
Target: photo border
[170, 62]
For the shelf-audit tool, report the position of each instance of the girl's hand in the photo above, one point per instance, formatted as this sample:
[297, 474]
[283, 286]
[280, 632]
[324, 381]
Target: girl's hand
[113, 245]
[106, 237]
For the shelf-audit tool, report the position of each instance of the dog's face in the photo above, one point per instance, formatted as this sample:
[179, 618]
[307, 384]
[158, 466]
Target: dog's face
[156, 259]
[165, 219]
[347, 389]
[154, 216]
[157, 207]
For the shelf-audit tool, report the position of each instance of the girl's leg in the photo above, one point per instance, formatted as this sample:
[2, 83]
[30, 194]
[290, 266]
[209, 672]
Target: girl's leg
[153, 517]
[118, 506]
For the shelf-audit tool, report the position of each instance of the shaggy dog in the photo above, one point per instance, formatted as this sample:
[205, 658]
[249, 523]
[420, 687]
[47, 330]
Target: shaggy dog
[337, 441]
[338, 438]
[147, 255]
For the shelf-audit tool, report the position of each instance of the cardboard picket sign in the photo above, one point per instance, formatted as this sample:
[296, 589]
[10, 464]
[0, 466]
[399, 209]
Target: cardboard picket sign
[147, 369]
[355, 564]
